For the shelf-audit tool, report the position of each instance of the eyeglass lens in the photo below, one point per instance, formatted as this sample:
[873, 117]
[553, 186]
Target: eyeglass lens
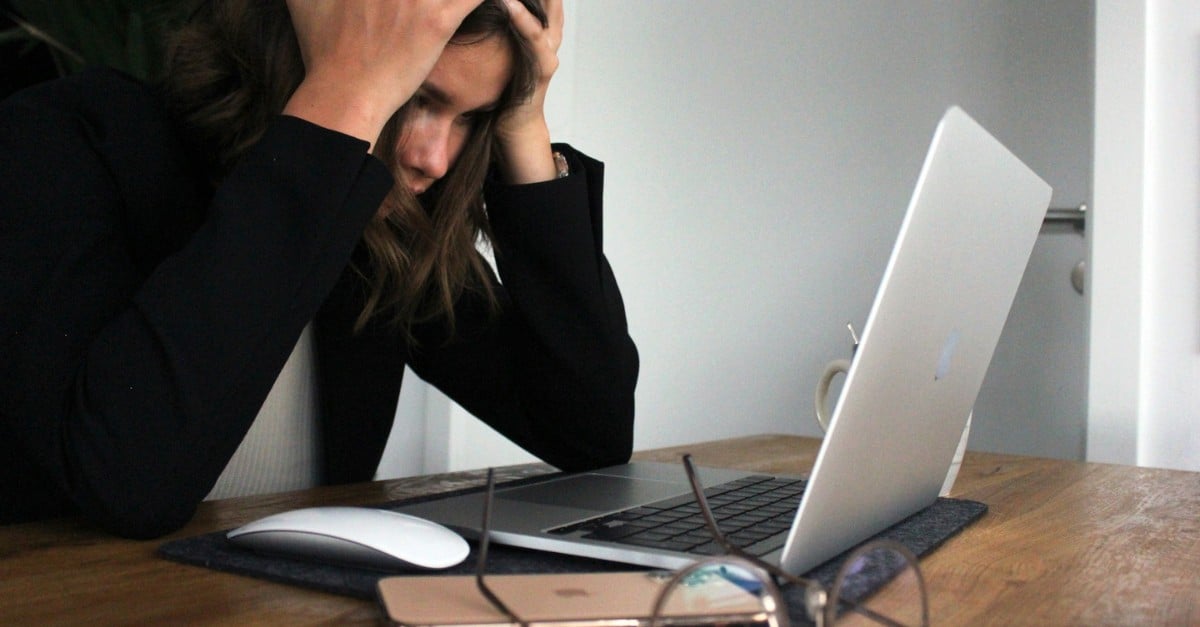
[879, 583]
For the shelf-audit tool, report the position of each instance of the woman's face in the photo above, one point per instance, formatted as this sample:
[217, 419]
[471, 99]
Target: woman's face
[467, 81]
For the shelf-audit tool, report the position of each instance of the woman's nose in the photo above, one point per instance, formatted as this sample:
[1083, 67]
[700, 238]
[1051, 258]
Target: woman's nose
[428, 147]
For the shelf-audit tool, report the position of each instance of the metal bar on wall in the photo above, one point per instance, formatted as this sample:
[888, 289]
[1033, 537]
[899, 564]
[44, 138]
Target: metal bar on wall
[1076, 216]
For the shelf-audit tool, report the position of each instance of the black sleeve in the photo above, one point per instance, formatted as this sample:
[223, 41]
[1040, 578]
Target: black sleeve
[124, 391]
[555, 371]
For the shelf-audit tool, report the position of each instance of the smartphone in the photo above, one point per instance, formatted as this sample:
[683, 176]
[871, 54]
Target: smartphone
[575, 600]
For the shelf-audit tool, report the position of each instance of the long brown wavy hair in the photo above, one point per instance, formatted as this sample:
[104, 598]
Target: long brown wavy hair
[234, 66]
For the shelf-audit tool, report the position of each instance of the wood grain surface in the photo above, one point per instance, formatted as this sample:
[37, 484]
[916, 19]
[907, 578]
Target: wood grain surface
[1063, 543]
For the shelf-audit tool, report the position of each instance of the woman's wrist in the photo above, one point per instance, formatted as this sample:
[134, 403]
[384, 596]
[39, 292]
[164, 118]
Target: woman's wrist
[526, 157]
[338, 110]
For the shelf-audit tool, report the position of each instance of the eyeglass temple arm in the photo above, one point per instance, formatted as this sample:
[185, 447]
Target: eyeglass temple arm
[814, 591]
[710, 521]
[484, 539]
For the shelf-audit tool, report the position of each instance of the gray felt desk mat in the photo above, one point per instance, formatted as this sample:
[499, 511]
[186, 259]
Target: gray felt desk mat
[921, 533]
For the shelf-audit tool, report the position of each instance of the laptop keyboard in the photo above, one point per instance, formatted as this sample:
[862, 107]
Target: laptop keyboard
[754, 513]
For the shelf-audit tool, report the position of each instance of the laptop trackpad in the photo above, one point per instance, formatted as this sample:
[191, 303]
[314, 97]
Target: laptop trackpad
[594, 492]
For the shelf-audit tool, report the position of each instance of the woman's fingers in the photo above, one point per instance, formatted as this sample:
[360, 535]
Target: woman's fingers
[545, 40]
[365, 59]
[522, 133]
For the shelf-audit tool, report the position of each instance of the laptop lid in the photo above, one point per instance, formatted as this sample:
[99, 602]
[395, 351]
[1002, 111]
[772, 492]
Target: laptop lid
[962, 248]
[946, 292]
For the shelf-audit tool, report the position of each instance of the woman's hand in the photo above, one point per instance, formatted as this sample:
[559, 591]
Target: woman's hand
[363, 60]
[522, 133]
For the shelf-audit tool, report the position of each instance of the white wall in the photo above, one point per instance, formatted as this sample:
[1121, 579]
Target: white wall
[1115, 233]
[1170, 417]
[759, 158]
[1146, 312]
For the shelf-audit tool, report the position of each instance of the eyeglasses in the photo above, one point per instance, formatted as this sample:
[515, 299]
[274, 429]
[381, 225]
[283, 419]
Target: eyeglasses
[854, 591]
[879, 582]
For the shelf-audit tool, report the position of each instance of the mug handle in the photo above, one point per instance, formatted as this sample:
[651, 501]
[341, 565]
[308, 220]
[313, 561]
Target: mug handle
[820, 401]
[821, 405]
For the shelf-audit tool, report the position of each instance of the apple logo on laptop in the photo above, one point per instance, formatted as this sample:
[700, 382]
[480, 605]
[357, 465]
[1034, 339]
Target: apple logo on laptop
[943, 365]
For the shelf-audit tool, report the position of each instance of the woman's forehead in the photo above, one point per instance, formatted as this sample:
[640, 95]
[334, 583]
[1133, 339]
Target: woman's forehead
[471, 76]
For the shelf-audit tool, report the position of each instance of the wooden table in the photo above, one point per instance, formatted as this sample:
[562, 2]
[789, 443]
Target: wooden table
[1063, 543]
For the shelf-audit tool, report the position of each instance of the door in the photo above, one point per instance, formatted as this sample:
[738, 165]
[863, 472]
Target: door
[1034, 398]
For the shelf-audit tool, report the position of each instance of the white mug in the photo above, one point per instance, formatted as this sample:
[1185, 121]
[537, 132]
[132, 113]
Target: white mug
[821, 406]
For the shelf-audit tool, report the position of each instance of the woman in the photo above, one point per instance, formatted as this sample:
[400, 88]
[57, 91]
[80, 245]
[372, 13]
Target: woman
[293, 217]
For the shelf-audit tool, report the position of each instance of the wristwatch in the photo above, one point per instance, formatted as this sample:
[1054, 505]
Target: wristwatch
[560, 164]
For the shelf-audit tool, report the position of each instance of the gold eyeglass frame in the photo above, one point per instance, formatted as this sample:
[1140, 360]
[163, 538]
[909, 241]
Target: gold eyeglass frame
[822, 606]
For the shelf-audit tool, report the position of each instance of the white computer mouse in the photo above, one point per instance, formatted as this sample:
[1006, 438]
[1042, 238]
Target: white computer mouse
[360, 536]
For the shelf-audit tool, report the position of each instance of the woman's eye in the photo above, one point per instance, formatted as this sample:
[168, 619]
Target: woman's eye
[473, 118]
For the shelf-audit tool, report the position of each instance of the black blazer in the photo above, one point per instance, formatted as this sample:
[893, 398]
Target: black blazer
[145, 316]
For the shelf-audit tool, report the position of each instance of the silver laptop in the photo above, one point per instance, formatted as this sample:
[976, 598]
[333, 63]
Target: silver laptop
[959, 257]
